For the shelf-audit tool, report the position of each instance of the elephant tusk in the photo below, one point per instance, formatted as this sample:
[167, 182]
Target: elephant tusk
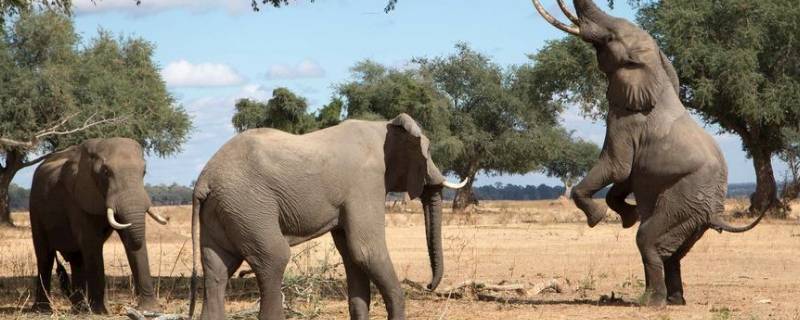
[455, 185]
[158, 218]
[113, 222]
[571, 16]
[568, 29]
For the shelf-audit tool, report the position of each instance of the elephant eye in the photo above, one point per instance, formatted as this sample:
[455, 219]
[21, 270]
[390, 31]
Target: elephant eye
[106, 171]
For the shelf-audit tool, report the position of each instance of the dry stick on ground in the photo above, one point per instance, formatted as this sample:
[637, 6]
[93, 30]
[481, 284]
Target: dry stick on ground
[488, 292]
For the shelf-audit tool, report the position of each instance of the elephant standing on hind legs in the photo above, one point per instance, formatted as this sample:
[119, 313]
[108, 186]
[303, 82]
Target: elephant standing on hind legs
[78, 197]
[653, 149]
[266, 190]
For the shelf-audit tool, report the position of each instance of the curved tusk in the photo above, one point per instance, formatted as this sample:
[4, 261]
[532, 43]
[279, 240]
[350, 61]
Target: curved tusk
[571, 16]
[157, 217]
[455, 185]
[568, 29]
[113, 222]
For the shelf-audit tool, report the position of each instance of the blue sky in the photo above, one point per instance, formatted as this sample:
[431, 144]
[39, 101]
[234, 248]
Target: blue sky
[213, 52]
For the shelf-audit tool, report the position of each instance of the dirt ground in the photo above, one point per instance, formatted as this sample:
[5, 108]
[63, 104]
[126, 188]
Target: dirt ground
[726, 276]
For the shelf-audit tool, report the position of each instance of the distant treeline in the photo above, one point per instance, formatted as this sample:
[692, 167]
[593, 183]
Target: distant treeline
[176, 194]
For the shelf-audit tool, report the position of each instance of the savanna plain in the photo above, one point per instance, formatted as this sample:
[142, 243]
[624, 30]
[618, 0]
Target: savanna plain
[503, 260]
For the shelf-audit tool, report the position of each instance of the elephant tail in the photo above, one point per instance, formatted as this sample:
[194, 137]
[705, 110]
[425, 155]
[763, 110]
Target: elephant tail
[720, 225]
[199, 194]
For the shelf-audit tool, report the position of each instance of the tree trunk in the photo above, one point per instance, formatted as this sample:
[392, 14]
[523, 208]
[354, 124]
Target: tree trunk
[568, 190]
[14, 162]
[6, 175]
[766, 195]
[465, 196]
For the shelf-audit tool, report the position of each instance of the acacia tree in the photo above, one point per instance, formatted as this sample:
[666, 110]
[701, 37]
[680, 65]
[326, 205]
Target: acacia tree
[284, 111]
[53, 95]
[738, 66]
[572, 160]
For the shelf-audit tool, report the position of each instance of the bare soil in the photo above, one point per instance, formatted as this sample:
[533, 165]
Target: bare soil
[726, 276]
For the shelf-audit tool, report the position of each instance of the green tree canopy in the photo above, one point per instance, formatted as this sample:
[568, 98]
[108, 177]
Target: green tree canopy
[284, 111]
[56, 92]
[573, 159]
[480, 117]
[739, 69]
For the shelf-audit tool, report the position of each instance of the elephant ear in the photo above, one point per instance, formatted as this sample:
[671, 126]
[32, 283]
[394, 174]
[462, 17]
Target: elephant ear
[416, 157]
[670, 70]
[77, 176]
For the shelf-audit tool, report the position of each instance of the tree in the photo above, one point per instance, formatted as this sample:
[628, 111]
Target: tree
[53, 94]
[791, 156]
[572, 161]
[284, 111]
[739, 69]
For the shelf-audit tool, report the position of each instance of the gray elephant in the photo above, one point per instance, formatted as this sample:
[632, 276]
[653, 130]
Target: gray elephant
[266, 190]
[79, 196]
[653, 149]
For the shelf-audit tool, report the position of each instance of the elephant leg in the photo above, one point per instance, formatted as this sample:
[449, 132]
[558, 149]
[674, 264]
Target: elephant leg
[218, 266]
[95, 277]
[616, 201]
[45, 256]
[672, 273]
[358, 291]
[143, 282]
[267, 252]
[647, 241]
[77, 294]
[365, 233]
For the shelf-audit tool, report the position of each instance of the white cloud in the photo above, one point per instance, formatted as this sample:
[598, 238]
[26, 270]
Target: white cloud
[147, 7]
[182, 73]
[305, 69]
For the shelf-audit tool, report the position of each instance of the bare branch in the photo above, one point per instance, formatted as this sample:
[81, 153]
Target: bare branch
[55, 131]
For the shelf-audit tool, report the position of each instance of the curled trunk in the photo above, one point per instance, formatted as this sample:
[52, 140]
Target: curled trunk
[432, 208]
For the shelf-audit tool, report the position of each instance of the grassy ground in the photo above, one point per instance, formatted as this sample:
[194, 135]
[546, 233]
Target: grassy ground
[726, 276]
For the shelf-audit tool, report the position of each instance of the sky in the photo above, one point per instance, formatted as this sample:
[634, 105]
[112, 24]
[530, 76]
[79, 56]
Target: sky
[213, 52]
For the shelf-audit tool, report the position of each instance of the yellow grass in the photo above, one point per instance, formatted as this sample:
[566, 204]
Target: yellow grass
[726, 276]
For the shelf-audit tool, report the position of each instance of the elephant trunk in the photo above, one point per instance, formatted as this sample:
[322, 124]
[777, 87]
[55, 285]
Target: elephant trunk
[432, 207]
[130, 208]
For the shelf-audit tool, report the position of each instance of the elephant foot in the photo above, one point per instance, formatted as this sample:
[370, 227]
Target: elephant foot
[595, 216]
[148, 304]
[676, 300]
[41, 307]
[99, 309]
[652, 299]
[629, 220]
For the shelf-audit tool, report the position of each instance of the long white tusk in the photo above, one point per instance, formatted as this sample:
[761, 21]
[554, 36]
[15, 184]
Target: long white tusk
[158, 218]
[568, 29]
[571, 16]
[455, 185]
[113, 222]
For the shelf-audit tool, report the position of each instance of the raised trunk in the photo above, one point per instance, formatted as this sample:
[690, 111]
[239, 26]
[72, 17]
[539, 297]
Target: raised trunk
[432, 207]
[766, 196]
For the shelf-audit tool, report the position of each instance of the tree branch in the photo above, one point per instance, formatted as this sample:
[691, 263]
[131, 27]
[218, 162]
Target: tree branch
[56, 130]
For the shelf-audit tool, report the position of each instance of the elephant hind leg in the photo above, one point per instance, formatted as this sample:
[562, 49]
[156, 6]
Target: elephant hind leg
[268, 253]
[77, 294]
[647, 240]
[358, 290]
[218, 266]
[45, 256]
[673, 270]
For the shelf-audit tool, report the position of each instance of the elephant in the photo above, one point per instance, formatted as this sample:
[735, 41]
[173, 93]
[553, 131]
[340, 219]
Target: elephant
[653, 149]
[266, 190]
[78, 197]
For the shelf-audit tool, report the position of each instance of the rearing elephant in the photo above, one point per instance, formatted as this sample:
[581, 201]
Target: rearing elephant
[78, 197]
[653, 149]
[266, 190]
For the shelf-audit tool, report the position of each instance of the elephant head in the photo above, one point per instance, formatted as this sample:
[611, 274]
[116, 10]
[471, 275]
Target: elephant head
[409, 168]
[107, 178]
[637, 70]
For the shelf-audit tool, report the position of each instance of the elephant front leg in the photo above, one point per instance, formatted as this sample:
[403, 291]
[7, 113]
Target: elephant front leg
[95, 278]
[358, 291]
[616, 201]
[614, 165]
[143, 282]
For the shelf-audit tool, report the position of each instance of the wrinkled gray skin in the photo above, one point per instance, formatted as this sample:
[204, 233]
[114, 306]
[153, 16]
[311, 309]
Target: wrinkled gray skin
[71, 193]
[653, 149]
[266, 190]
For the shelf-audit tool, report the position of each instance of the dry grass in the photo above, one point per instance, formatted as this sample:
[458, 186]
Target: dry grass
[726, 276]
